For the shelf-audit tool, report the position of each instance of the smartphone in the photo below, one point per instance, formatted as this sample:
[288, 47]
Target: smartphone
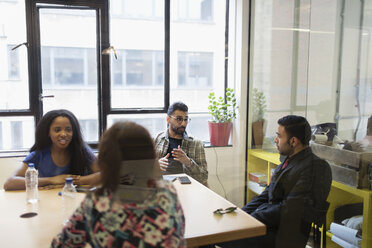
[184, 180]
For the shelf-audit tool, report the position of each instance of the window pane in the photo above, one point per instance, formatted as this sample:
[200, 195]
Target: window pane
[1, 136]
[90, 130]
[138, 68]
[138, 8]
[91, 55]
[13, 63]
[197, 53]
[69, 66]
[148, 9]
[201, 10]
[198, 126]
[154, 123]
[195, 69]
[69, 71]
[16, 133]
[138, 72]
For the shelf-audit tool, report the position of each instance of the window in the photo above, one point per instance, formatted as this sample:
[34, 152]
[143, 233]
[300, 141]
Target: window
[138, 68]
[198, 52]
[89, 129]
[195, 69]
[9, 0]
[138, 8]
[13, 63]
[200, 10]
[16, 134]
[66, 66]
[198, 127]
[14, 81]
[154, 123]
[1, 135]
[160, 60]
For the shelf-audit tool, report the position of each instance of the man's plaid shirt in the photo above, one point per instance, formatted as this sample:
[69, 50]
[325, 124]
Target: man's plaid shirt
[194, 150]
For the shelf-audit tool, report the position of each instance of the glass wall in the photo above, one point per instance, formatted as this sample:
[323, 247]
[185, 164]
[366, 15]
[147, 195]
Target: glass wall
[312, 58]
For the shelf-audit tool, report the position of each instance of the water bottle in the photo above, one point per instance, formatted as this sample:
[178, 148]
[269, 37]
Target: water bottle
[31, 181]
[69, 200]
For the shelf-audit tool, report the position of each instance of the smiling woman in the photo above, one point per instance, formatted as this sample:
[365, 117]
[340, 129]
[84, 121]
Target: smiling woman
[59, 152]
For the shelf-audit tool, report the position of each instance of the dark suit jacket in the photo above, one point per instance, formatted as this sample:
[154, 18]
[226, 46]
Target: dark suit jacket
[291, 202]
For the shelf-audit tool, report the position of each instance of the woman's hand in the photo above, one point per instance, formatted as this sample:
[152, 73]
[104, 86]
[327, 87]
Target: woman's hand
[61, 179]
[51, 186]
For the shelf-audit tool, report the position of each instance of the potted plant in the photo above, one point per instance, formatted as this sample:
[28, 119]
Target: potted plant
[258, 121]
[223, 111]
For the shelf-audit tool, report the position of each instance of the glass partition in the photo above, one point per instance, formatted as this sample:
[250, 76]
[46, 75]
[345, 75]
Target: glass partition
[310, 58]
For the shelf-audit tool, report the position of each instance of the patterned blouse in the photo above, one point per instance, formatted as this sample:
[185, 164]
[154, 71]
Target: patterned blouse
[104, 221]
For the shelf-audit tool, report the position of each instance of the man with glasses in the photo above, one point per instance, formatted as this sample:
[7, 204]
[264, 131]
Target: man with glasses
[179, 152]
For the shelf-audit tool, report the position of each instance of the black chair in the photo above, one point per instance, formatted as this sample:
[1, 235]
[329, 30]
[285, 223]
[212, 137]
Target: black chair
[319, 222]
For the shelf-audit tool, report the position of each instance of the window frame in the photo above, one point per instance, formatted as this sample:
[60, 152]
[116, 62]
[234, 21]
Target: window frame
[102, 9]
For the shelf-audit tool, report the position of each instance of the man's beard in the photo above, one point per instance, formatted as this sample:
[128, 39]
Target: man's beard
[285, 152]
[178, 130]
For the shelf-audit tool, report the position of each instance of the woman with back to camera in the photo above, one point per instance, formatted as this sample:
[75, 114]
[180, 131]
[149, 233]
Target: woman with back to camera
[59, 152]
[110, 217]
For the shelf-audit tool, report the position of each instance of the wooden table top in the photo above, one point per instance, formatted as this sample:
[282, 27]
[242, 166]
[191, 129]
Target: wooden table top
[203, 227]
[198, 202]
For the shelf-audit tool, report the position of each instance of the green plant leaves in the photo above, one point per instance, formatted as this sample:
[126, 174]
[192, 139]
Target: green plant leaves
[221, 110]
[259, 104]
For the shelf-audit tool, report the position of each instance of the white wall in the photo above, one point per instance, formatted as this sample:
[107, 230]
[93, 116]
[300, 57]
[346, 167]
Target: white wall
[230, 162]
[7, 167]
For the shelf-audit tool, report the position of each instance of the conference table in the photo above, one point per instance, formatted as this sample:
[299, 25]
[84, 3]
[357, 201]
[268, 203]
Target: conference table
[198, 202]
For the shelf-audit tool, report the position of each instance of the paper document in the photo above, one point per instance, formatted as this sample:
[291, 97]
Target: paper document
[345, 233]
[342, 243]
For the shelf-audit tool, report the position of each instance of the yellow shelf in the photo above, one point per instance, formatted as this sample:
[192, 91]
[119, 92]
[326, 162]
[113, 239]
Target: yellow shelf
[329, 234]
[351, 190]
[263, 161]
[264, 155]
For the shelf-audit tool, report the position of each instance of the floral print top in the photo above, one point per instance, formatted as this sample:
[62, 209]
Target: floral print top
[105, 221]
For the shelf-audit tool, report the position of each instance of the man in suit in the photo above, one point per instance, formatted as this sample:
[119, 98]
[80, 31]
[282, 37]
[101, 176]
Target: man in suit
[297, 193]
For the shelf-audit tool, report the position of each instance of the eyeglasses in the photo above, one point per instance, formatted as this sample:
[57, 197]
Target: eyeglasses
[220, 211]
[179, 119]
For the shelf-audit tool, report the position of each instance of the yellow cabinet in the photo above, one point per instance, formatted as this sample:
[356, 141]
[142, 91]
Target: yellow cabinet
[263, 162]
[340, 194]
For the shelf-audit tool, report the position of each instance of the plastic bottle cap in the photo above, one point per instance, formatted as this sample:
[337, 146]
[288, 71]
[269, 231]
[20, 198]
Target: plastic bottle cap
[68, 179]
[31, 165]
